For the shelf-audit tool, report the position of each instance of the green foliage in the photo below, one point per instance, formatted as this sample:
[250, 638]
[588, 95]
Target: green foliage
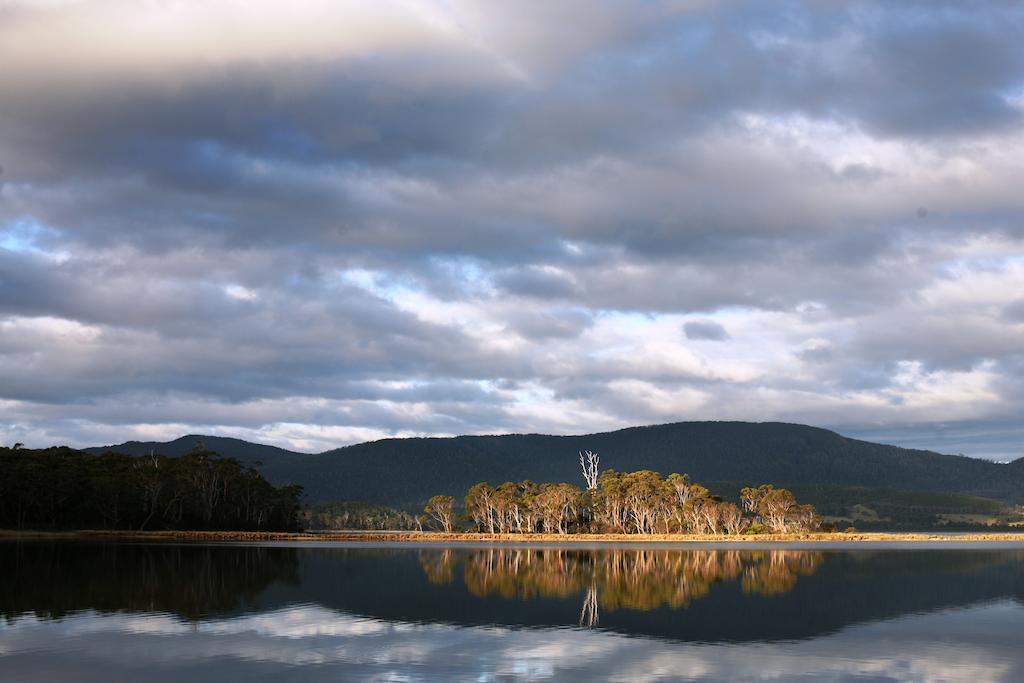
[892, 510]
[836, 501]
[61, 488]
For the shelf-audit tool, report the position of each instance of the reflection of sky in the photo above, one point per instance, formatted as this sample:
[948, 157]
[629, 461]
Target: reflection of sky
[975, 644]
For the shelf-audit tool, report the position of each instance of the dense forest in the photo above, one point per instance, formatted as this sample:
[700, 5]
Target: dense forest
[402, 473]
[61, 488]
[623, 503]
[354, 515]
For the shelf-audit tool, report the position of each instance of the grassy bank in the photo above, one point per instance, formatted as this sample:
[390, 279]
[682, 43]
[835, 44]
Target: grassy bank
[433, 537]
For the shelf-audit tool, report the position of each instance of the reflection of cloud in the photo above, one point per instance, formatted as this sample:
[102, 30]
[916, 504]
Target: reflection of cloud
[975, 644]
[299, 622]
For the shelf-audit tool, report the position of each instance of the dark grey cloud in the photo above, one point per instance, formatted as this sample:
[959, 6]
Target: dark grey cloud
[463, 218]
[818, 353]
[540, 324]
[1014, 312]
[705, 329]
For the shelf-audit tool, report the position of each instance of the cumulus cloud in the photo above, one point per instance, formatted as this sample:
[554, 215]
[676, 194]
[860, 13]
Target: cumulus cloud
[361, 219]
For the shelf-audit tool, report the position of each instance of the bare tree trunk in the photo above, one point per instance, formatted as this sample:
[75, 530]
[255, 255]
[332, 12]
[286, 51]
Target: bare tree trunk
[589, 613]
[589, 464]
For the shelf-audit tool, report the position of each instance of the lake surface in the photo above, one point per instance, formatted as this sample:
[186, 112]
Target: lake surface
[79, 611]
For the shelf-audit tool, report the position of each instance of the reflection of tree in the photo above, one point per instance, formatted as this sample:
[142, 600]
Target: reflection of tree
[526, 573]
[647, 579]
[438, 566]
[589, 613]
[191, 581]
[615, 579]
[778, 573]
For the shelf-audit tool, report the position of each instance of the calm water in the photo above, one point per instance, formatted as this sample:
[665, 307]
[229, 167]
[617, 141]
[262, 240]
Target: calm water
[103, 612]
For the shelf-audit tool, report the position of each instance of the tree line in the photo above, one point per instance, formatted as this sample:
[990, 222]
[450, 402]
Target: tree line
[61, 488]
[356, 515]
[640, 502]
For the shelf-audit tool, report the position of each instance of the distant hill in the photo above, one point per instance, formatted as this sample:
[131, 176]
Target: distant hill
[243, 451]
[404, 472]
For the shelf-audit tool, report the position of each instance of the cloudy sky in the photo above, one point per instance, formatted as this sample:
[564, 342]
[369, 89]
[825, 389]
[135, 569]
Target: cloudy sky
[315, 223]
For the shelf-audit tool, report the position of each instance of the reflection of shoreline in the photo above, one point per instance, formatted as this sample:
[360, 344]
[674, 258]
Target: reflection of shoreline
[1010, 540]
[784, 597]
[53, 580]
[390, 584]
[619, 579]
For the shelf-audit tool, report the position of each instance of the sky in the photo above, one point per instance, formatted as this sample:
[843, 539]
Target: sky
[317, 223]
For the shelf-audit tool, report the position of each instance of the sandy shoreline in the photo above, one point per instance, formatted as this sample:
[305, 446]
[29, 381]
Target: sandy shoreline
[428, 538]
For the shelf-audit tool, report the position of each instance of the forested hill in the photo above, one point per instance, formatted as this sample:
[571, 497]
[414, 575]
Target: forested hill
[404, 472]
[243, 451]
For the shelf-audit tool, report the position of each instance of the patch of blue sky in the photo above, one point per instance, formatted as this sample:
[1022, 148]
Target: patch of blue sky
[466, 274]
[630, 320]
[629, 327]
[375, 282]
[975, 263]
[24, 234]
[1015, 97]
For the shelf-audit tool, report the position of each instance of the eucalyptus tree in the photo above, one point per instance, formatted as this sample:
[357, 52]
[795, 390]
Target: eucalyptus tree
[639, 502]
[610, 502]
[442, 510]
[558, 506]
[646, 497]
[479, 504]
[774, 507]
[732, 518]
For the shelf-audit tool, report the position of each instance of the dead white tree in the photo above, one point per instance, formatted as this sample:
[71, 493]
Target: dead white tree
[589, 464]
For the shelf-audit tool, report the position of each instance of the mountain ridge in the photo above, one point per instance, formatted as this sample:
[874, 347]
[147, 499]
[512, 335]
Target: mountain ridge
[186, 442]
[405, 471]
